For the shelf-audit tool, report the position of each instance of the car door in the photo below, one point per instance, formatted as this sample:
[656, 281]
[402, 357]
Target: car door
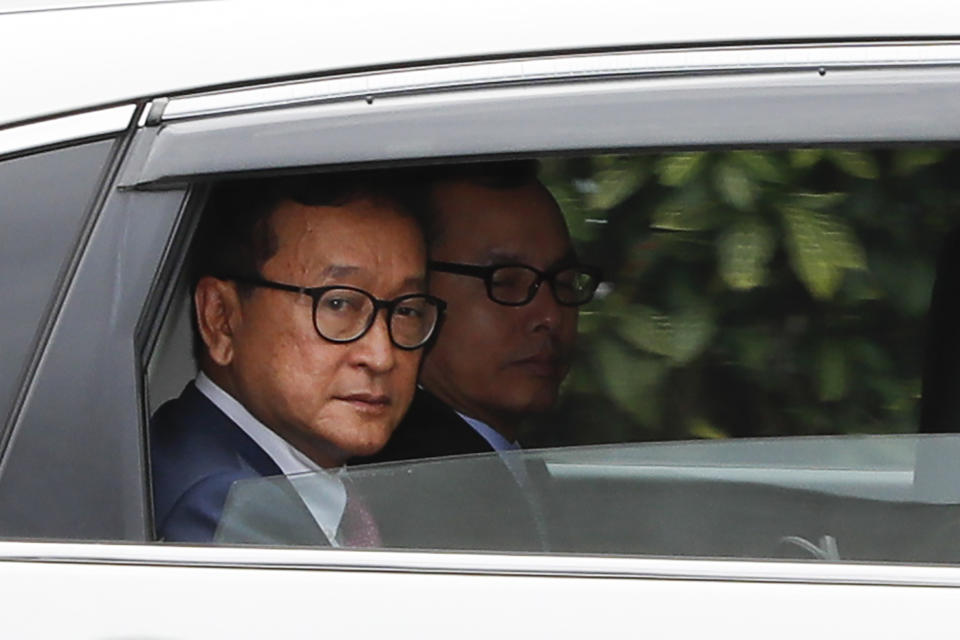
[108, 351]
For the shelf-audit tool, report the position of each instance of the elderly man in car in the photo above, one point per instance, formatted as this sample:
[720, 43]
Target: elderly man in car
[311, 311]
[501, 257]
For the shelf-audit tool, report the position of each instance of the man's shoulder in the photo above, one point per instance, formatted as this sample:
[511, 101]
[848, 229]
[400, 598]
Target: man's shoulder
[196, 453]
[191, 426]
[430, 429]
[192, 513]
[191, 430]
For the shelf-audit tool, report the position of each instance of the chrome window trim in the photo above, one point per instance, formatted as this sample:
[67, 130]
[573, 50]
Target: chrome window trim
[849, 106]
[568, 68]
[89, 124]
[38, 6]
[481, 564]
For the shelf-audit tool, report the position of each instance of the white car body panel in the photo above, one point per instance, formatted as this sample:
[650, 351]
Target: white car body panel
[245, 593]
[100, 55]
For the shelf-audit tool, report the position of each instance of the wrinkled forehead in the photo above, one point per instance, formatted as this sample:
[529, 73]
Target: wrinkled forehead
[359, 213]
[476, 223]
[362, 236]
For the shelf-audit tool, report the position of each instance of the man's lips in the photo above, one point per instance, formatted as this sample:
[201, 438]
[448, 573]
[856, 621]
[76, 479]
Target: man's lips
[369, 402]
[548, 365]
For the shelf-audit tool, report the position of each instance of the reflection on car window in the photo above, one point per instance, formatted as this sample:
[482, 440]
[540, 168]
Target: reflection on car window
[753, 293]
[870, 498]
[35, 247]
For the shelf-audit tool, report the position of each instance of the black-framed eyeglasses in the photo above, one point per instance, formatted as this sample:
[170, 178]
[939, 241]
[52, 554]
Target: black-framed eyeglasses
[515, 285]
[345, 314]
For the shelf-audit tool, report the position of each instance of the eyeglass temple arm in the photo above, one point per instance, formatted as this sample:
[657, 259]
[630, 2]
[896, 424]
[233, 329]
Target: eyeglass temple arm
[269, 284]
[461, 269]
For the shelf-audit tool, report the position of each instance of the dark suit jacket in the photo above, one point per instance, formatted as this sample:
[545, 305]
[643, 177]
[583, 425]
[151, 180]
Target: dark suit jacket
[470, 503]
[430, 429]
[197, 453]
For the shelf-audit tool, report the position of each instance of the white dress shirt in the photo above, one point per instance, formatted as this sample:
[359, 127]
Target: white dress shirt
[322, 492]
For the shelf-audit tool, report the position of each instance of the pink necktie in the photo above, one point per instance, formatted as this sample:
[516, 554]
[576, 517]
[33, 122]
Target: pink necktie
[358, 528]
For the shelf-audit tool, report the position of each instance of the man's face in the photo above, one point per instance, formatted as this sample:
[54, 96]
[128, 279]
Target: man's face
[331, 401]
[494, 362]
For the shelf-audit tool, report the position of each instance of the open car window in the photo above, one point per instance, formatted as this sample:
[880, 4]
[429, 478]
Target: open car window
[745, 293]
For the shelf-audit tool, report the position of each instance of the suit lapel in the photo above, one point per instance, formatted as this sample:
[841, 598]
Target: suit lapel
[264, 509]
[208, 417]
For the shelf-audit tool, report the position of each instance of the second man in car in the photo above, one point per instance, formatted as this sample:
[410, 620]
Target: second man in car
[501, 257]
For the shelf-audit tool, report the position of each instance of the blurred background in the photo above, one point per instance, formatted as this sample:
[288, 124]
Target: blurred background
[751, 293]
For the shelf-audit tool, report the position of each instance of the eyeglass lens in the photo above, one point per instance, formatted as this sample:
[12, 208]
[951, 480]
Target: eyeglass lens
[517, 285]
[342, 315]
[412, 321]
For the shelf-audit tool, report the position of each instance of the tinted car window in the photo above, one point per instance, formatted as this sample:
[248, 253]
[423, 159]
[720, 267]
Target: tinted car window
[46, 197]
[754, 293]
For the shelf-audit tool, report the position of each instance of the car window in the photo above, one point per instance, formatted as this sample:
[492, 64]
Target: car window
[768, 310]
[835, 498]
[46, 198]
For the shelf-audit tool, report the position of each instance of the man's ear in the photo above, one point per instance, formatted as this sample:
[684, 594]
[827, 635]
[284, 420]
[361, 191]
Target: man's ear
[218, 315]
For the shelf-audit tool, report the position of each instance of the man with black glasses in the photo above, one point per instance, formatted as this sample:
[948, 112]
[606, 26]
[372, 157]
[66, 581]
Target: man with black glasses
[501, 257]
[311, 313]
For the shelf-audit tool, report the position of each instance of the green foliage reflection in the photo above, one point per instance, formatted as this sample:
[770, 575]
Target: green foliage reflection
[751, 293]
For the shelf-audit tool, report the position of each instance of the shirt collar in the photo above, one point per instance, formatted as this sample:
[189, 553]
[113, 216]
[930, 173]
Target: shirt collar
[491, 435]
[323, 492]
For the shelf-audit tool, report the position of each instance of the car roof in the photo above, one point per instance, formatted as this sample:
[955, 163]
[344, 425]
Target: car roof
[75, 55]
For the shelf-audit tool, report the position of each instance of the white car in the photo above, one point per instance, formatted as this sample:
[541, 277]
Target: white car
[768, 185]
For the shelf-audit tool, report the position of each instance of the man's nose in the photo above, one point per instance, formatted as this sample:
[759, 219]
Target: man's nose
[375, 350]
[545, 312]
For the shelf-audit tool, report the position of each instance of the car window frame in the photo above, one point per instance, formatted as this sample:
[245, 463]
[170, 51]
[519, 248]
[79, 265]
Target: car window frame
[583, 105]
[52, 134]
[176, 149]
